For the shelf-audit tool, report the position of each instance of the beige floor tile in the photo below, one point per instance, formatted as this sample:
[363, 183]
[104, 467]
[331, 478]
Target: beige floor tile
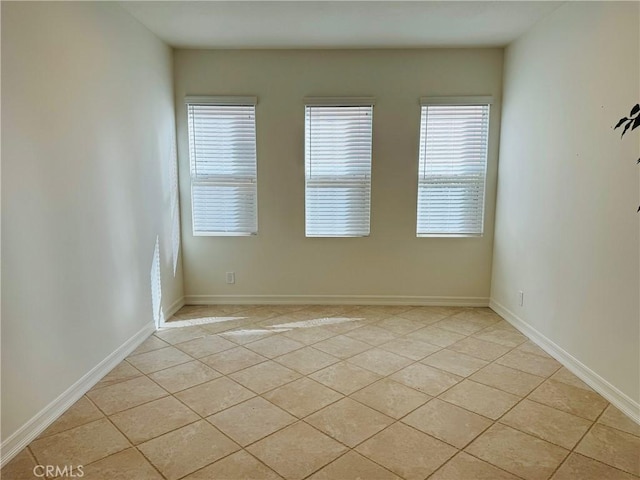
[252, 420]
[181, 334]
[302, 397]
[547, 423]
[349, 422]
[481, 349]
[507, 379]
[447, 422]
[435, 336]
[345, 377]
[203, 346]
[570, 399]
[353, 466]
[391, 398]
[238, 466]
[454, 362]
[225, 324]
[483, 316]
[518, 453]
[20, 467]
[390, 310]
[267, 311]
[372, 335]
[406, 451]
[565, 376]
[380, 361]
[465, 467]
[123, 371]
[613, 447]
[577, 467]
[265, 376]
[530, 347]
[80, 445]
[399, 325]
[478, 398]
[187, 449]
[153, 419]
[151, 343]
[428, 315]
[126, 465]
[342, 346]
[527, 362]
[127, 394]
[410, 348]
[310, 335]
[503, 325]
[81, 412]
[203, 311]
[233, 360]
[274, 346]
[214, 396]
[502, 336]
[159, 359]
[307, 360]
[426, 379]
[183, 376]
[463, 326]
[247, 335]
[612, 417]
[297, 451]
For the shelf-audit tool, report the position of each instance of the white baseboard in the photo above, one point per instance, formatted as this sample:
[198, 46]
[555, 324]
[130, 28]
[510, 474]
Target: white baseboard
[40, 421]
[335, 300]
[174, 307]
[617, 398]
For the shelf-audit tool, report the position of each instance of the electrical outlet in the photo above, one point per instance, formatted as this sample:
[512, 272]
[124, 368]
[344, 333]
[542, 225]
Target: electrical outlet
[231, 277]
[521, 298]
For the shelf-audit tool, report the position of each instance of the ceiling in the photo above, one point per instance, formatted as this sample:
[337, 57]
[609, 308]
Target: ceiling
[338, 24]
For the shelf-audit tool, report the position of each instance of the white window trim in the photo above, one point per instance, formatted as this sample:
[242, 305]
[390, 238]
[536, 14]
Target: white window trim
[458, 101]
[341, 102]
[224, 101]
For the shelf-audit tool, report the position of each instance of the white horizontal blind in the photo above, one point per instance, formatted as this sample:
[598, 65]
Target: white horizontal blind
[338, 170]
[452, 169]
[222, 147]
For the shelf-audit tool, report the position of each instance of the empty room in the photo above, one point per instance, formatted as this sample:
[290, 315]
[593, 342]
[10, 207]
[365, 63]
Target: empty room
[309, 240]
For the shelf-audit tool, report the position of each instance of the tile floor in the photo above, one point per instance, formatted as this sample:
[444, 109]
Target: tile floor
[339, 393]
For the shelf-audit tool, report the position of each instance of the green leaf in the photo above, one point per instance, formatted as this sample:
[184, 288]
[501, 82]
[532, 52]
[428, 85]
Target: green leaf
[620, 122]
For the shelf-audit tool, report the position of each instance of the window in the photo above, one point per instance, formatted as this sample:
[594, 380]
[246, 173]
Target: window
[222, 150]
[452, 166]
[338, 166]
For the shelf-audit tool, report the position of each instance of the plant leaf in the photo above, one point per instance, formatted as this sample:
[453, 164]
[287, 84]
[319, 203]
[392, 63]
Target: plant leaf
[620, 122]
[635, 109]
[636, 123]
[626, 127]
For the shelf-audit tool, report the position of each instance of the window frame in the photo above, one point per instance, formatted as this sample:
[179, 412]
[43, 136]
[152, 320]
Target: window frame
[230, 101]
[337, 102]
[454, 101]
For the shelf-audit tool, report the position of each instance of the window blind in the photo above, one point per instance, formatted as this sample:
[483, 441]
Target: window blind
[222, 148]
[338, 168]
[452, 169]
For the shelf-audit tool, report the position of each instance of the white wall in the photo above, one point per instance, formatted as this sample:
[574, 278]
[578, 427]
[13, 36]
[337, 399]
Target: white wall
[392, 261]
[87, 129]
[567, 227]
